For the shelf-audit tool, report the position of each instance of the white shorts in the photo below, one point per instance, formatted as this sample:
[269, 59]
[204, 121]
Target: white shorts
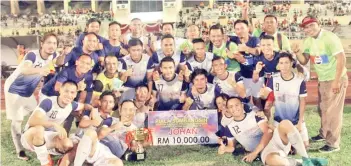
[253, 89]
[17, 107]
[275, 145]
[303, 133]
[48, 137]
[101, 156]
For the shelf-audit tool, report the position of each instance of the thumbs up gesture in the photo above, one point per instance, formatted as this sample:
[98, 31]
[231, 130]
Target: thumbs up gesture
[259, 66]
[82, 85]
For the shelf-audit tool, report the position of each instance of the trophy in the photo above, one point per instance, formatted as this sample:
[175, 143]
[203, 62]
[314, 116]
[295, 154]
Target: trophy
[135, 140]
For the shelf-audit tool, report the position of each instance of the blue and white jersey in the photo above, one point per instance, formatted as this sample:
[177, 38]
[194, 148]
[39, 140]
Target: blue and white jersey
[270, 67]
[64, 75]
[24, 85]
[111, 50]
[247, 131]
[169, 92]
[225, 87]
[204, 100]
[139, 74]
[178, 57]
[205, 64]
[76, 52]
[287, 95]
[247, 67]
[79, 41]
[53, 111]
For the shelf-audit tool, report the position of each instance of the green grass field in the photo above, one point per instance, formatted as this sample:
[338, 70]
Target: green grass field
[197, 155]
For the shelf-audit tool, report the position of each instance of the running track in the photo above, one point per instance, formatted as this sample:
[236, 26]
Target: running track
[312, 90]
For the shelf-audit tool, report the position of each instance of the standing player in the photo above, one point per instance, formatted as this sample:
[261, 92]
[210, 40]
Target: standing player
[92, 26]
[80, 75]
[328, 57]
[201, 58]
[253, 133]
[168, 50]
[229, 83]
[266, 63]
[89, 48]
[192, 32]
[21, 84]
[220, 47]
[167, 28]
[288, 94]
[202, 94]
[43, 132]
[168, 88]
[135, 69]
[248, 46]
[113, 45]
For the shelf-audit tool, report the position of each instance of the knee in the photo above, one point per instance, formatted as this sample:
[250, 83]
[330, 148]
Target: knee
[285, 125]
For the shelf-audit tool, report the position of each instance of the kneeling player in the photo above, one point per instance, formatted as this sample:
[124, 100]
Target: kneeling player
[43, 132]
[253, 133]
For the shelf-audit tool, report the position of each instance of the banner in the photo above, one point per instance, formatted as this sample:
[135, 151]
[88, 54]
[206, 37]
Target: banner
[183, 127]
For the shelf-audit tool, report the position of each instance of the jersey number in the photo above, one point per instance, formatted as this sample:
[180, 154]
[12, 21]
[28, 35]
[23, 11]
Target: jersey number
[53, 115]
[277, 86]
[160, 87]
[236, 129]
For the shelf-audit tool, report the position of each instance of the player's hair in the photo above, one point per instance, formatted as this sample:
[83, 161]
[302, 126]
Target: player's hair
[286, 55]
[90, 33]
[237, 98]
[85, 55]
[167, 59]
[126, 101]
[194, 25]
[109, 55]
[215, 27]
[134, 42]
[198, 40]
[241, 21]
[141, 86]
[91, 20]
[47, 35]
[197, 72]
[270, 16]
[70, 82]
[267, 37]
[108, 93]
[135, 19]
[223, 96]
[217, 58]
[167, 36]
[114, 23]
[167, 23]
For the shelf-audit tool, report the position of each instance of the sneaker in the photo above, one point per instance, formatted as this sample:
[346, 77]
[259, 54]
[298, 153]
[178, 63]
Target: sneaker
[319, 161]
[317, 138]
[328, 149]
[22, 155]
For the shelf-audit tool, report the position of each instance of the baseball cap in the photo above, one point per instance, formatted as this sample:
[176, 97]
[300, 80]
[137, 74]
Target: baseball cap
[307, 20]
